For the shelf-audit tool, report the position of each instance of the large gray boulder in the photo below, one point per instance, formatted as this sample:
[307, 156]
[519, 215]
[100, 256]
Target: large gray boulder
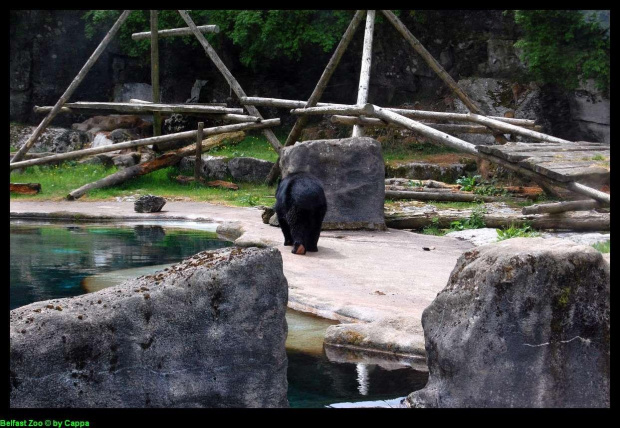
[213, 167]
[53, 139]
[249, 169]
[352, 172]
[207, 332]
[521, 323]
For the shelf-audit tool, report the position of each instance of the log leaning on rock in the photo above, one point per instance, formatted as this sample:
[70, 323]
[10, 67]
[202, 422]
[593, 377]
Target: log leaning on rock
[576, 221]
[166, 160]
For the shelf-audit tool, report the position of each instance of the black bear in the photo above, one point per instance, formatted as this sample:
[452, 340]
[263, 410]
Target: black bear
[301, 207]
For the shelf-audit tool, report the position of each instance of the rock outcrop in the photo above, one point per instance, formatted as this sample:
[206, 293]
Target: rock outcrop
[149, 204]
[207, 332]
[352, 172]
[521, 323]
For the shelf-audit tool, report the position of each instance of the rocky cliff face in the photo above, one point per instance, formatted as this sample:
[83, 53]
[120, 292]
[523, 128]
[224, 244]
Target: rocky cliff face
[48, 48]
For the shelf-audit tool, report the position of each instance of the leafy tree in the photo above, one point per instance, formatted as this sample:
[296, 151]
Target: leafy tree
[564, 47]
[260, 34]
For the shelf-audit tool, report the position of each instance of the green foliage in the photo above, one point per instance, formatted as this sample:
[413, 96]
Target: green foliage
[603, 247]
[261, 35]
[249, 199]
[475, 220]
[468, 183]
[525, 231]
[433, 228]
[564, 47]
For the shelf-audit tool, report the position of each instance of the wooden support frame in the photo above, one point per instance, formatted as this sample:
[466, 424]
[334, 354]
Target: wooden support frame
[155, 72]
[362, 92]
[69, 91]
[186, 31]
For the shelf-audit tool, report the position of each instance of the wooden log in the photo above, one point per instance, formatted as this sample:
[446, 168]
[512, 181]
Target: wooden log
[69, 91]
[362, 92]
[236, 118]
[353, 109]
[560, 207]
[439, 196]
[146, 141]
[166, 160]
[367, 121]
[575, 221]
[198, 163]
[185, 31]
[138, 101]
[300, 123]
[413, 114]
[25, 188]
[34, 155]
[507, 127]
[152, 107]
[183, 179]
[155, 72]
[425, 130]
[234, 85]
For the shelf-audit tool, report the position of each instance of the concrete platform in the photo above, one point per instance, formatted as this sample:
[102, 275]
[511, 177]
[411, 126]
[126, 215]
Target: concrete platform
[356, 276]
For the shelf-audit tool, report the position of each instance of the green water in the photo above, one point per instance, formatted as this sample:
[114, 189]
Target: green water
[55, 261]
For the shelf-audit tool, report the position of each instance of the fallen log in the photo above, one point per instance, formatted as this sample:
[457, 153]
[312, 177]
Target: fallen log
[444, 196]
[153, 107]
[184, 179]
[576, 221]
[423, 183]
[25, 188]
[352, 109]
[146, 141]
[560, 207]
[166, 160]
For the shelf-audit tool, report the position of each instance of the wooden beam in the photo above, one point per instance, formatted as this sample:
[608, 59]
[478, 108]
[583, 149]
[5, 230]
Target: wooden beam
[198, 163]
[185, 31]
[450, 128]
[318, 89]
[69, 91]
[145, 141]
[362, 92]
[151, 107]
[234, 85]
[155, 72]
[25, 188]
[412, 114]
[439, 196]
[560, 207]
[354, 109]
[507, 127]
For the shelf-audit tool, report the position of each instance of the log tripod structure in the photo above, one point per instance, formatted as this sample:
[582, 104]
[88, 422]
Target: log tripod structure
[363, 114]
[359, 115]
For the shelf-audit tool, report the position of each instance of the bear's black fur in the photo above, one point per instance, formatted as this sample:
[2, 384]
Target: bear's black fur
[301, 207]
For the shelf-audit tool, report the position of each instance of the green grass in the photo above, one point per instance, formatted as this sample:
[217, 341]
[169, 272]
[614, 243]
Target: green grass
[254, 146]
[57, 182]
[401, 150]
[603, 247]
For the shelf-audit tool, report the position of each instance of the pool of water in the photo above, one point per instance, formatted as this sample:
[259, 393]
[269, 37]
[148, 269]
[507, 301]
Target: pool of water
[54, 261]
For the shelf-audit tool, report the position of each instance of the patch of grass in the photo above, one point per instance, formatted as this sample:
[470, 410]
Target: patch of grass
[599, 157]
[525, 231]
[254, 146]
[468, 183]
[603, 247]
[58, 182]
[455, 205]
[397, 149]
[433, 228]
[475, 220]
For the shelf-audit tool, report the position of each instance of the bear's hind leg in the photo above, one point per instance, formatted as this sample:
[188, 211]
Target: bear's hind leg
[286, 230]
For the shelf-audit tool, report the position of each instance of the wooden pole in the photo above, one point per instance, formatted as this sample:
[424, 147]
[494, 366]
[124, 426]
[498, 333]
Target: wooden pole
[367, 121]
[427, 131]
[74, 84]
[237, 89]
[198, 163]
[412, 114]
[439, 196]
[507, 127]
[151, 107]
[560, 207]
[437, 68]
[155, 72]
[355, 110]
[362, 92]
[145, 141]
[176, 32]
[167, 159]
[318, 89]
